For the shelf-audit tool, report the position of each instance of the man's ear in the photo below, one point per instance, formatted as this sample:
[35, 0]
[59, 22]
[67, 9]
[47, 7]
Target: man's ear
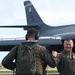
[73, 44]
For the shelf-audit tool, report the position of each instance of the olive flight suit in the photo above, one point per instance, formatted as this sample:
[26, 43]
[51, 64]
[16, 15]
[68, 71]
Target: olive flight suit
[66, 64]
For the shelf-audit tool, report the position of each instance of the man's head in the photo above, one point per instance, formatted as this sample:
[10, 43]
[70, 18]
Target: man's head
[32, 34]
[68, 45]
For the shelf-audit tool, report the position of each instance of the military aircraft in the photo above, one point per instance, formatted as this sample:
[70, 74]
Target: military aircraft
[51, 37]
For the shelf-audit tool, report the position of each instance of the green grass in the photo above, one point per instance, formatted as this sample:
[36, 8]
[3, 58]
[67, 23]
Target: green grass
[4, 70]
[48, 70]
[51, 70]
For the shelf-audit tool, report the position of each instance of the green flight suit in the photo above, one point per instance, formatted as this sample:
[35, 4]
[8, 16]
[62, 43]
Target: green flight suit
[66, 65]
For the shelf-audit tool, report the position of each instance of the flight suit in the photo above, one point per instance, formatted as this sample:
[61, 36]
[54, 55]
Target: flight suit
[66, 65]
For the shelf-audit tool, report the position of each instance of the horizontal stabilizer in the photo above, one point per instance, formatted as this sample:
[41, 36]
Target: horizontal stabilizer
[22, 26]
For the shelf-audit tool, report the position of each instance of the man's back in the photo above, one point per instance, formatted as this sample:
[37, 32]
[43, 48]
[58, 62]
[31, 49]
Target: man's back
[29, 59]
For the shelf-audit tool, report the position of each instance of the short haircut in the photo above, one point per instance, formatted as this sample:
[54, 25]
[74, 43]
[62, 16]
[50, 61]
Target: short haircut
[32, 32]
[68, 39]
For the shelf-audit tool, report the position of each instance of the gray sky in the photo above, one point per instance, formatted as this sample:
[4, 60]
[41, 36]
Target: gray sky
[52, 12]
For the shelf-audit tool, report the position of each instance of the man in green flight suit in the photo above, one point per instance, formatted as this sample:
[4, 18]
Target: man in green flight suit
[66, 58]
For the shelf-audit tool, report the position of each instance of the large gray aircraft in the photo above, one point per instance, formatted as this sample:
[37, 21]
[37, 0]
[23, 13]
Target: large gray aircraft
[51, 37]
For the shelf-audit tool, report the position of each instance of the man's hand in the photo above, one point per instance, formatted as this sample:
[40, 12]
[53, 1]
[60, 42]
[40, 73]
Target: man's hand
[54, 53]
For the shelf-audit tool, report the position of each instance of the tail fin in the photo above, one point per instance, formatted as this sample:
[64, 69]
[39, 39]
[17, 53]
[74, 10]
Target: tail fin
[32, 16]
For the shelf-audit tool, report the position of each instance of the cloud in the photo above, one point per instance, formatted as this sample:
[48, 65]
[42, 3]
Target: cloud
[52, 12]
[11, 12]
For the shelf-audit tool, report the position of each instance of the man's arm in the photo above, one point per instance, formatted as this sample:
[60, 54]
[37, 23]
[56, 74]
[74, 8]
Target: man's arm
[56, 56]
[47, 57]
[7, 62]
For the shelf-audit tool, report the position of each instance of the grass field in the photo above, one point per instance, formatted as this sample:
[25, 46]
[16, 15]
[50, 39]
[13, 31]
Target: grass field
[4, 70]
[51, 70]
[48, 69]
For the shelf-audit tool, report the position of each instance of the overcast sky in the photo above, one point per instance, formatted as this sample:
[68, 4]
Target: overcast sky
[52, 12]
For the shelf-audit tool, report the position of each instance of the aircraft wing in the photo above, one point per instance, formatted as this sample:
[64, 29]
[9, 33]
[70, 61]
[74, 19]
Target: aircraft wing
[6, 45]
